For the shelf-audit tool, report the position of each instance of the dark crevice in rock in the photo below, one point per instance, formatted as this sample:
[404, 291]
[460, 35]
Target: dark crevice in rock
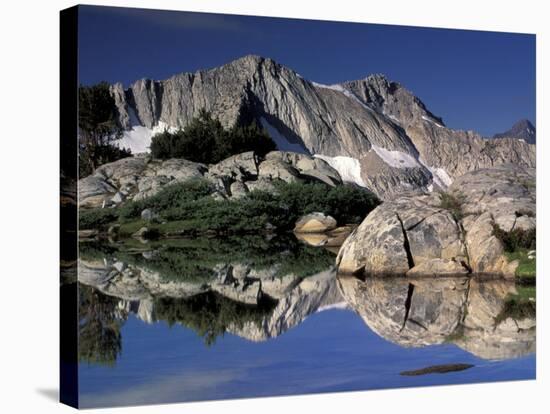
[408, 302]
[462, 235]
[466, 302]
[466, 266]
[418, 223]
[417, 324]
[406, 244]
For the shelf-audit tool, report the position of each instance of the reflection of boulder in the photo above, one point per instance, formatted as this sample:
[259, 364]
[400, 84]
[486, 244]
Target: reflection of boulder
[507, 339]
[405, 311]
[420, 312]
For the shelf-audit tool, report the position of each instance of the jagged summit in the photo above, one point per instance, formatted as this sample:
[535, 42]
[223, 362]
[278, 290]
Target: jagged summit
[374, 131]
[523, 129]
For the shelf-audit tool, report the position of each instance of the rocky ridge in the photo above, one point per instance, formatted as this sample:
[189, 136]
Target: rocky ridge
[373, 131]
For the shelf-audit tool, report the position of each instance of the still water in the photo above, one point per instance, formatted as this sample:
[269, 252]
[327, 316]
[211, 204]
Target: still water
[203, 319]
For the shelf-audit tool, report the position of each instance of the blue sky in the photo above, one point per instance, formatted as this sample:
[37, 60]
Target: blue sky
[483, 81]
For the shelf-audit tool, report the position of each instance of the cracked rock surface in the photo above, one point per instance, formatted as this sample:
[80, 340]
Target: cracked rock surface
[416, 235]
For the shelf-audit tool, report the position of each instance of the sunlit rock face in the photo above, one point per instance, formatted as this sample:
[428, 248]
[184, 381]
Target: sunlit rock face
[420, 312]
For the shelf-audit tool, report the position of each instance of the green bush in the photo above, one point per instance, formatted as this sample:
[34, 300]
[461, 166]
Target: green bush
[189, 208]
[205, 140]
[171, 197]
[516, 239]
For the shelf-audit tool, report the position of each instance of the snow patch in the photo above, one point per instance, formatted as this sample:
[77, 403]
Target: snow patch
[348, 168]
[396, 159]
[138, 138]
[431, 121]
[283, 144]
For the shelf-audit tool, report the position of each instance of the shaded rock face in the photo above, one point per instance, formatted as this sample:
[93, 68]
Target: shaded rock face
[136, 178]
[420, 312]
[359, 120]
[420, 235]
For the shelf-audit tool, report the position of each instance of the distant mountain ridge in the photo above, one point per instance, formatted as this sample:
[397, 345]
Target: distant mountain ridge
[373, 131]
[522, 129]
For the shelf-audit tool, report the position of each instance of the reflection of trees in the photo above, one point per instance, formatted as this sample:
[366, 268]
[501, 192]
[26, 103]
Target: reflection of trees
[210, 314]
[195, 260]
[99, 334]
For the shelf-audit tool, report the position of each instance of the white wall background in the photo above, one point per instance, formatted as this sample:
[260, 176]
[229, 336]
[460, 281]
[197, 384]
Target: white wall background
[29, 204]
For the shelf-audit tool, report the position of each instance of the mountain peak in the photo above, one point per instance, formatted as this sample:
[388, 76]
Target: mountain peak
[523, 129]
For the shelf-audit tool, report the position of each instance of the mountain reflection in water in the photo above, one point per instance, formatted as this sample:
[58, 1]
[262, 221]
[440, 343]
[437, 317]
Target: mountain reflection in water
[255, 290]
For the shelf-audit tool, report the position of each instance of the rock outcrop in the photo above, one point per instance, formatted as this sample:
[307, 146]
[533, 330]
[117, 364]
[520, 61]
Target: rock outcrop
[451, 233]
[421, 312]
[376, 132]
[136, 178]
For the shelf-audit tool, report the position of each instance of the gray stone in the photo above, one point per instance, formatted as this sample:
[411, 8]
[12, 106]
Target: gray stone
[148, 214]
[278, 169]
[238, 189]
[118, 198]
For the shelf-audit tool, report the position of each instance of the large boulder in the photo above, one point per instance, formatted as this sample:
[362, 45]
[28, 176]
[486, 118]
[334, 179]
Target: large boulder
[315, 223]
[315, 169]
[422, 234]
